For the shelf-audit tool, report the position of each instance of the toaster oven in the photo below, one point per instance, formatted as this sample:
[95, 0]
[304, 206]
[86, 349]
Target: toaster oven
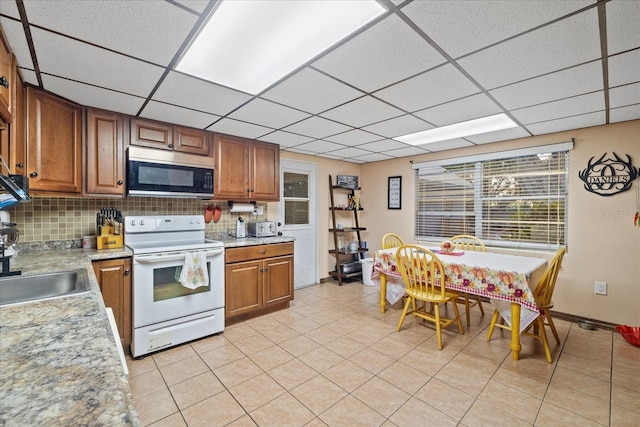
[261, 229]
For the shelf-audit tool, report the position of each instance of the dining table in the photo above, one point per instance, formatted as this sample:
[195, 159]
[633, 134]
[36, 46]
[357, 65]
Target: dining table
[506, 280]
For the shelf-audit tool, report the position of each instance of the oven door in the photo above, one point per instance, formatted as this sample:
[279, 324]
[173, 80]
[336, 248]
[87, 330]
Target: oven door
[158, 295]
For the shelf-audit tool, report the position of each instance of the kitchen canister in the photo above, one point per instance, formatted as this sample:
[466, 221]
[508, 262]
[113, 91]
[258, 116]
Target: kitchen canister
[88, 242]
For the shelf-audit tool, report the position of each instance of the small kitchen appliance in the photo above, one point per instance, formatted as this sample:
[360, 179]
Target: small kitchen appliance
[167, 312]
[261, 228]
[241, 230]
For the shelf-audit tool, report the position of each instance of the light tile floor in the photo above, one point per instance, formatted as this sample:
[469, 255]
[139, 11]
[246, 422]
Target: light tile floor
[332, 359]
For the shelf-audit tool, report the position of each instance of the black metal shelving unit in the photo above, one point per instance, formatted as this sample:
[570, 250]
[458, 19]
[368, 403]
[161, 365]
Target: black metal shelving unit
[347, 261]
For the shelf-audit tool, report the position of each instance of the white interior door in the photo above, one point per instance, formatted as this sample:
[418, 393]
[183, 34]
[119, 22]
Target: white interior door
[298, 216]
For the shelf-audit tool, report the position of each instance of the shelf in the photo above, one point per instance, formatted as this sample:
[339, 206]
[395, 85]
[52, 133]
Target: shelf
[359, 251]
[337, 187]
[345, 209]
[346, 275]
[346, 229]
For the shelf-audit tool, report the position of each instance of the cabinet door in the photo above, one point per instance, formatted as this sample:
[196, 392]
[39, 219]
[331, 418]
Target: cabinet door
[243, 290]
[265, 171]
[231, 169]
[188, 140]
[7, 65]
[278, 280]
[54, 143]
[105, 153]
[18, 134]
[147, 133]
[115, 284]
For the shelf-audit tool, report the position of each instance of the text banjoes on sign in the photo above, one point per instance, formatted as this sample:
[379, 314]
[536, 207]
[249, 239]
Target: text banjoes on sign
[608, 176]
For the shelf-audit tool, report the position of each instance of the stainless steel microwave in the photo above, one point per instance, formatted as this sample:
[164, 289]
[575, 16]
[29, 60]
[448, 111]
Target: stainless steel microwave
[164, 173]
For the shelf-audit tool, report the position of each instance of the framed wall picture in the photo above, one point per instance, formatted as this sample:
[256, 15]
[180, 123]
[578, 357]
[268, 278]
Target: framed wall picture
[394, 195]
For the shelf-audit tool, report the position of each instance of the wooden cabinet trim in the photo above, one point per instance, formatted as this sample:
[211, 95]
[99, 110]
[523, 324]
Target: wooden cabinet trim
[248, 253]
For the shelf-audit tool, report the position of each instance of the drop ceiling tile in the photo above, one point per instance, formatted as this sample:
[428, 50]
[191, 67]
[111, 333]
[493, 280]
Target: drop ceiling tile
[152, 32]
[311, 91]
[622, 26]
[353, 137]
[563, 108]
[178, 115]
[471, 107]
[238, 128]
[562, 84]
[317, 127]
[78, 61]
[29, 76]
[568, 123]
[384, 145]
[624, 95]
[9, 8]
[437, 86]
[187, 91]
[373, 157]
[320, 146]
[398, 126]
[17, 40]
[349, 152]
[268, 114]
[499, 135]
[92, 96]
[406, 152]
[622, 114]
[285, 139]
[624, 68]
[449, 144]
[383, 54]
[297, 150]
[572, 41]
[460, 27]
[361, 112]
[195, 5]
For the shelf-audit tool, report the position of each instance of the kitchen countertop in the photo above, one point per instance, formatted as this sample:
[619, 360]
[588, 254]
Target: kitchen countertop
[59, 364]
[234, 242]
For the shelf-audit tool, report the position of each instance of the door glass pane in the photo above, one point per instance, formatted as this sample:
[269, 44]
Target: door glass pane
[296, 198]
[166, 284]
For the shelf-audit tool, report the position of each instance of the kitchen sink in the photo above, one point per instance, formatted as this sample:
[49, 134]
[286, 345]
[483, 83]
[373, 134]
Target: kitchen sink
[39, 287]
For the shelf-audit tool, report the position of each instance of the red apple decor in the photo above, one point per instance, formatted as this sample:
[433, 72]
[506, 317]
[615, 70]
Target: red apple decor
[447, 247]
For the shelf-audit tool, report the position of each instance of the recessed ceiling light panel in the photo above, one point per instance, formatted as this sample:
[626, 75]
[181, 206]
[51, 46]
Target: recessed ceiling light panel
[249, 45]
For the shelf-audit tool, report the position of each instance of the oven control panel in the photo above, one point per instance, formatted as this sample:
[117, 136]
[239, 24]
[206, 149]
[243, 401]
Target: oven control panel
[151, 224]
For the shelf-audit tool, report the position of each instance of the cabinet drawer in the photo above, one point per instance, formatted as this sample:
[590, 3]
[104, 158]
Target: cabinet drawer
[258, 252]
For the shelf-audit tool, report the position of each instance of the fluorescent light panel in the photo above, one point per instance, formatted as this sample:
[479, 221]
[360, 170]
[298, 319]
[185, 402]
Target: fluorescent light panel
[249, 45]
[459, 130]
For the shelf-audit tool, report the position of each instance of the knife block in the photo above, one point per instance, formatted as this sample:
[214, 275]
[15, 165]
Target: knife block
[108, 239]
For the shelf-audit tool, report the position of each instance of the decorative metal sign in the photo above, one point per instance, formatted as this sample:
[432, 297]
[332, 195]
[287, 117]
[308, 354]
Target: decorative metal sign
[607, 177]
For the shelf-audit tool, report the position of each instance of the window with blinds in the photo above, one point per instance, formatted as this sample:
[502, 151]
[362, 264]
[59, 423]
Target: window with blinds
[516, 201]
[296, 198]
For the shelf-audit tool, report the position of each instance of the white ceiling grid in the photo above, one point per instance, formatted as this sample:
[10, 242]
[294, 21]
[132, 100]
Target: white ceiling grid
[422, 64]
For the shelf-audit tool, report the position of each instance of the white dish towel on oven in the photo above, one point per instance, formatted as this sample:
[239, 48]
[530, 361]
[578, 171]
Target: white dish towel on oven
[194, 271]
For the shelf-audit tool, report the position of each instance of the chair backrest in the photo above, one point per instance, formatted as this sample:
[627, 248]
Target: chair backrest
[391, 240]
[421, 270]
[467, 242]
[544, 289]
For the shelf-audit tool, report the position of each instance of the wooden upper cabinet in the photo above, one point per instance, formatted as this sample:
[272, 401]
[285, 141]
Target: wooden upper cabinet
[149, 133]
[189, 140]
[104, 147]
[54, 144]
[7, 66]
[245, 169]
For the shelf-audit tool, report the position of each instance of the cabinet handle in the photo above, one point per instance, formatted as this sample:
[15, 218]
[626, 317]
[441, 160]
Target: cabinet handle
[33, 174]
[20, 165]
[120, 182]
[266, 268]
[252, 190]
[261, 269]
[4, 82]
[126, 272]
[170, 145]
[264, 251]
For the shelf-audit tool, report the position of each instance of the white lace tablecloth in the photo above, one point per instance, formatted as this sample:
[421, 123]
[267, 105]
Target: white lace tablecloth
[503, 279]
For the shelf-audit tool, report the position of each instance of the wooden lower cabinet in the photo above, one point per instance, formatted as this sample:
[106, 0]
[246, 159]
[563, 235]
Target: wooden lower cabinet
[114, 279]
[258, 280]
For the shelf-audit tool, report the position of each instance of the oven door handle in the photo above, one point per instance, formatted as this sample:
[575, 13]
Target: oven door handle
[149, 259]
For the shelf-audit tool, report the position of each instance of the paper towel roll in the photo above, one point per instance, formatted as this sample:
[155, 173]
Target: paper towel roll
[242, 207]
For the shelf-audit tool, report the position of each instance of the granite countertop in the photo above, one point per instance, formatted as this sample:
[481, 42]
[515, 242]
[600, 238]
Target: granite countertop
[59, 364]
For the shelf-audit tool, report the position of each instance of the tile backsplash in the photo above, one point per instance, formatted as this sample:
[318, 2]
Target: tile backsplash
[50, 218]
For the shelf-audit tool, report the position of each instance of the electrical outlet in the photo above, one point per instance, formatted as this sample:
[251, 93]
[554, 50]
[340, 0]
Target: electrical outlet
[601, 288]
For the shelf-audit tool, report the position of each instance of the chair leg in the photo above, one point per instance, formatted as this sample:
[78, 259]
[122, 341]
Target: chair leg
[466, 306]
[552, 326]
[438, 325]
[457, 313]
[480, 305]
[545, 342]
[494, 320]
[404, 312]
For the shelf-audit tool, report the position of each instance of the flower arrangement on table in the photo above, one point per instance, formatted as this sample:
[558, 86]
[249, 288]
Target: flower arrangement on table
[447, 247]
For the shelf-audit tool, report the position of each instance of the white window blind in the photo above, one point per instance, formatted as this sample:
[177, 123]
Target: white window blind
[296, 198]
[518, 201]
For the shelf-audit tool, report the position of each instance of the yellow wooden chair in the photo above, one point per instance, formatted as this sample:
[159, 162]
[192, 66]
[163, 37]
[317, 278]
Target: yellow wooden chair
[466, 242]
[423, 275]
[542, 294]
[391, 240]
